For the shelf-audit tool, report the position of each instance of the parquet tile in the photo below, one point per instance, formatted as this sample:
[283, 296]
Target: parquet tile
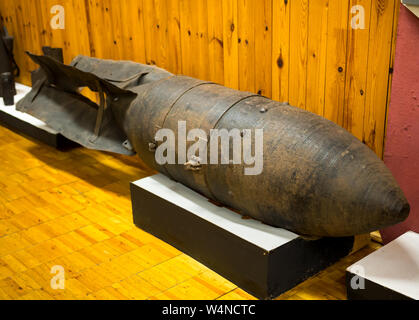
[73, 209]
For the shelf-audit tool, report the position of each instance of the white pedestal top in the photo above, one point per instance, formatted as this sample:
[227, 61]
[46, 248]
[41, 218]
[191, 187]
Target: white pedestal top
[262, 235]
[394, 266]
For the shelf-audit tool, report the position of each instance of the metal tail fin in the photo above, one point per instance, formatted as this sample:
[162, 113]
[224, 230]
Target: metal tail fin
[56, 100]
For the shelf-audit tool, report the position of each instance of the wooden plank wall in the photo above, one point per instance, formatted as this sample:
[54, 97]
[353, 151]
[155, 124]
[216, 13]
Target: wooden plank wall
[301, 51]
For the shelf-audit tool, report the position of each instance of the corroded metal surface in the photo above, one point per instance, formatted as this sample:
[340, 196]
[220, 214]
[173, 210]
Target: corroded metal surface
[9, 70]
[317, 178]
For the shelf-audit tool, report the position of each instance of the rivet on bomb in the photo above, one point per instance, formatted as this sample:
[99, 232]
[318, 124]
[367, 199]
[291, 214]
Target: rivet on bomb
[152, 146]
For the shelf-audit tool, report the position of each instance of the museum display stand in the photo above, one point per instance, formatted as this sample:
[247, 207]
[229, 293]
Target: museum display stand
[28, 125]
[262, 260]
[390, 273]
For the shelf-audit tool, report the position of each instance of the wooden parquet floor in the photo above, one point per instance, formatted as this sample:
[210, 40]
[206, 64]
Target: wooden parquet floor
[72, 209]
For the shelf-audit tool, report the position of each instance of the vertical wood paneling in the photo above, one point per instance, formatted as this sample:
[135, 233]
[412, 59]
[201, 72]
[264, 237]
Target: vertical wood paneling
[263, 47]
[195, 44]
[298, 53]
[382, 15]
[356, 76]
[336, 60]
[118, 36]
[101, 29]
[78, 39]
[17, 15]
[168, 27]
[112, 33]
[132, 15]
[32, 21]
[316, 58]
[230, 43]
[29, 28]
[189, 44]
[57, 37]
[215, 38]
[246, 40]
[200, 13]
[301, 51]
[280, 50]
[392, 57]
[174, 51]
[45, 37]
[155, 22]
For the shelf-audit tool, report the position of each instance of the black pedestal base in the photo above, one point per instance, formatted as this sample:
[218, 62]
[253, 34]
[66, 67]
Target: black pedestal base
[260, 259]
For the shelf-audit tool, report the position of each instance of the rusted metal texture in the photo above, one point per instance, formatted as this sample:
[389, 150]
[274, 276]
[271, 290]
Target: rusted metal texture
[317, 179]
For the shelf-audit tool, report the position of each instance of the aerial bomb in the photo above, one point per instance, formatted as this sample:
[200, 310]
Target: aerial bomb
[316, 179]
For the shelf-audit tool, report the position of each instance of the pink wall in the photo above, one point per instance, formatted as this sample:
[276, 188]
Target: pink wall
[401, 153]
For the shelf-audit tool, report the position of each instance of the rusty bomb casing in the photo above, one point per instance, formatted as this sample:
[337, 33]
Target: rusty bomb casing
[317, 178]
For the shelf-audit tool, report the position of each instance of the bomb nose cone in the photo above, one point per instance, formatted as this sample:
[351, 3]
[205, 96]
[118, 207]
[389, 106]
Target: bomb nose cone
[395, 207]
[358, 194]
[381, 200]
[405, 210]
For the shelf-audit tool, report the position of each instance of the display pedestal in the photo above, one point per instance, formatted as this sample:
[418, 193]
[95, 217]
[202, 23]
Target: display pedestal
[262, 260]
[390, 273]
[28, 125]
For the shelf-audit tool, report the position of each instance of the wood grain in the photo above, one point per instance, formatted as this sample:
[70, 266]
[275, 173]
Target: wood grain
[316, 59]
[231, 47]
[280, 50]
[336, 60]
[73, 209]
[300, 51]
[356, 77]
[380, 50]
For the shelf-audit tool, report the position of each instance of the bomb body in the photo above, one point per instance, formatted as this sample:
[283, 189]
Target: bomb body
[317, 178]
